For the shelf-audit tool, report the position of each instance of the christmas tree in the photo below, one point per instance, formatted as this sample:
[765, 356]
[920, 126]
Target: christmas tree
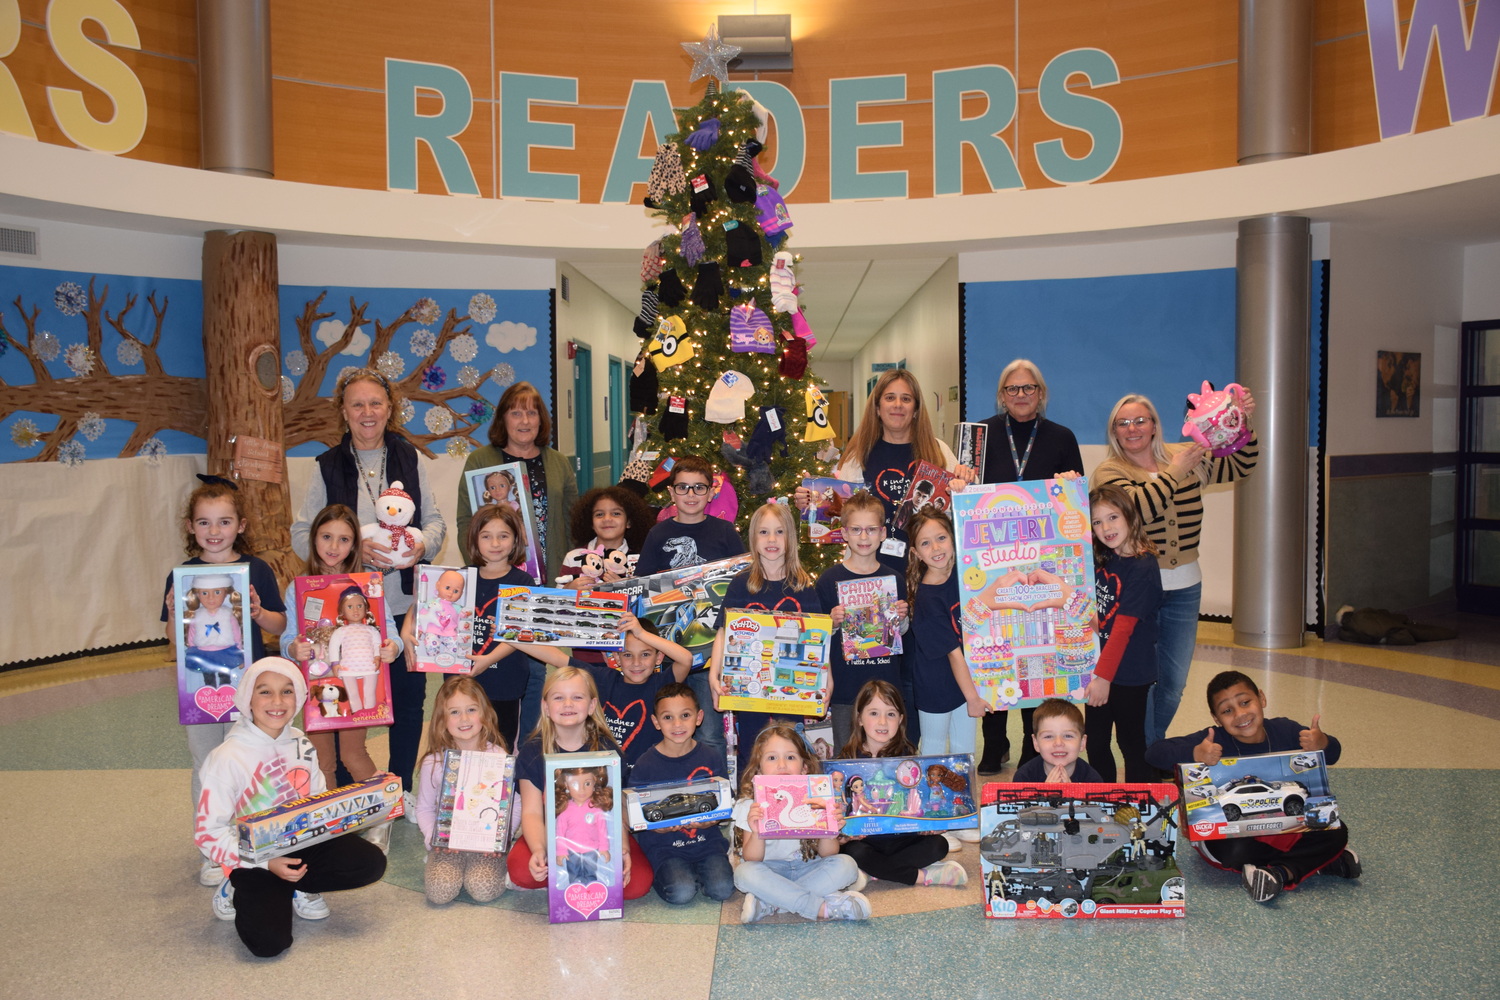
[724, 337]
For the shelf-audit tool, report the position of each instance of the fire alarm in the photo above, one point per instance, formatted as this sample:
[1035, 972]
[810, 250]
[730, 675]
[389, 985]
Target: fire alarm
[572, 350]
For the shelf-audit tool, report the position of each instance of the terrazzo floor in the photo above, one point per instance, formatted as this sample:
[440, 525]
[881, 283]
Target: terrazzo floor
[99, 895]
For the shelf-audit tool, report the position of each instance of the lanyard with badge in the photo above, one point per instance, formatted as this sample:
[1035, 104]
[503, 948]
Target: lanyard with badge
[1019, 462]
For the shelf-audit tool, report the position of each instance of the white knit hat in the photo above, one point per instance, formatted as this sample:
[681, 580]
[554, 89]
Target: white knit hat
[273, 665]
[726, 400]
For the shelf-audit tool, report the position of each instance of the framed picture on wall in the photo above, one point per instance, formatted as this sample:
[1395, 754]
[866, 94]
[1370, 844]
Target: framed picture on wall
[1398, 384]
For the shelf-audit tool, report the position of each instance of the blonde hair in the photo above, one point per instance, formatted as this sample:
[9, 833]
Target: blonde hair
[810, 765]
[596, 735]
[797, 578]
[366, 375]
[191, 602]
[1036, 373]
[924, 444]
[438, 737]
[1158, 448]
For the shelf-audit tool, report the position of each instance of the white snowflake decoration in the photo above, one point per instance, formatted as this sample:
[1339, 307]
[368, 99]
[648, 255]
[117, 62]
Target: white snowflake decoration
[91, 426]
[391, 365]
[70, 453]
[406, 412]
[129, 352]
[481, 308]
[426, 311]
[152, 450]
[422, 342]
[79, 358]
[503, 375]
[344, 371]
[46, 346]
[459, 447]
[70, 298]
[439, 420]
[464, 347]
[288, 389]
[24, 433]
[296, 362]
[469, 376]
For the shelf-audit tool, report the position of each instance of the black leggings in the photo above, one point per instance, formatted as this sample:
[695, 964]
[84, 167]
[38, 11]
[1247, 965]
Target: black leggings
[263, 901]
[896, 857]
[1311, 852]
[1125, 713]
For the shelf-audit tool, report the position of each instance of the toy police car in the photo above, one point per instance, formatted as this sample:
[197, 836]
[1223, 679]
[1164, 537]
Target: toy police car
[1251, 795]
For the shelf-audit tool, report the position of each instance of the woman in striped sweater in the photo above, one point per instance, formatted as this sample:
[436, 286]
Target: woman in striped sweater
[1166, 483]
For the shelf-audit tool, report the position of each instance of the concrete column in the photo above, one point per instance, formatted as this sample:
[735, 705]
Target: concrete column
[234, 86]
[1275, 104]
[1273, 268]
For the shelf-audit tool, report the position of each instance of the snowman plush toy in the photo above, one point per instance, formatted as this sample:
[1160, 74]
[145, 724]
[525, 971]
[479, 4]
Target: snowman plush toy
[394, 510]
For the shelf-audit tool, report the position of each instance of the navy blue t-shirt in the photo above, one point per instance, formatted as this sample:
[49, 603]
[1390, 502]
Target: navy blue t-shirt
[627, 707]
[848, 678]
[774, 596]
[262, 578]
[1130, 587]
[529, 759]
[506, 680]
[670, 544]
[934, 634]
[1035, 770]
[653, 768]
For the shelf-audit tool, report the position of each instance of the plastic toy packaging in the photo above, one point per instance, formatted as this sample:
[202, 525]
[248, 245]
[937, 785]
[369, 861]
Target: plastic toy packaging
[510, 485]
[776, 663]
[871, 629]
[283, 829]
[906, 794]
[682, 603]
[585, 837]
[797, 805]
[969, 441]
[678, 803]
[445, 619]
[1258, 796]
[1217, 421]
[1080, 851]
[211, 622]
[343, 616]
[823, 519]
[560, 617]
[928, 487]
[474, 802]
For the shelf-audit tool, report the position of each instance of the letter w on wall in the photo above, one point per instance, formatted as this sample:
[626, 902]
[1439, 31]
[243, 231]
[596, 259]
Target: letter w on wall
[1468, 56]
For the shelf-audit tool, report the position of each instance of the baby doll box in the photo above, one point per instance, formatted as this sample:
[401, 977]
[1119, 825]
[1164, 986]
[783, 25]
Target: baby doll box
[210, 661]
[1216, 420]
[560, 616]
[474, 802]
[776, 663]
[283, 829]
[797, 805]
[585, 837]
[682, 603]
[445, 620]
[906, 794]
[678, 803]
[1080, 851]
[1257, 796]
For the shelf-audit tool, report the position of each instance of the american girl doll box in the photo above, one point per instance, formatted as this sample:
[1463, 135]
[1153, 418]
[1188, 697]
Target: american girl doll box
[928, 488]
[283, 829]
[797, 806]
[906, 794]
[871, 629]
[1255, 796]
[343, 616]
[211, 622]
[560, 617]
[678, 803]
[585, 837]
[1080, 851]
[824, 520]
[474, 802]
[445, 620]
[1026, 583]
[511, 485]
[682, 603]
[776, 663]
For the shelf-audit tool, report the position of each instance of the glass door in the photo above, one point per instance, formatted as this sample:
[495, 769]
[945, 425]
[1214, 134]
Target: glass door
[1478, 557]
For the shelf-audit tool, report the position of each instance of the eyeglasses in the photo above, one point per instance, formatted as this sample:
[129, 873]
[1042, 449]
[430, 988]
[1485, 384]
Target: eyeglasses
[1125, 423]
[683, 489]
[863, 531]
[1022, 390]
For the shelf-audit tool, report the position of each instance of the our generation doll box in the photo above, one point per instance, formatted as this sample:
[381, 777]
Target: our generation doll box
[474, 801]
[678, 803]
[284, 829]
[1080, 851]
[824, 518]
[776, 663]
[906, 794]
[211, 622]
[560, 617]
[682, 603]
[343, 616]
[1256, 796]
[797, 805]
[509, 484]
[444, 625]
[585, 836]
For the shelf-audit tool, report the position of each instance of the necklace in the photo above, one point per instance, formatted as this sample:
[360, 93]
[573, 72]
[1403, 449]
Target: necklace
[368, 477]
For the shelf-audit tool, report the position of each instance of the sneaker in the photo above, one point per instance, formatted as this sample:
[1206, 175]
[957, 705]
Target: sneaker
[1346, 865]
[224, 901]
[847, 906]
[310, 906]
[970, 836]
[860, 882]
[755, 909]
[1263, 884]
[409, 804]
[211, 874]
[954, 844]
[945, 873]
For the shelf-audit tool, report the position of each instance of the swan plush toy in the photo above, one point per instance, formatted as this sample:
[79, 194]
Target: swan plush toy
[394, 510]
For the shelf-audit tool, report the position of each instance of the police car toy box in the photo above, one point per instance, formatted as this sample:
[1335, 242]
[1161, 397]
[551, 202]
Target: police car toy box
[1256, 796]
[678, 803]
[281, 830]
[1080, 851]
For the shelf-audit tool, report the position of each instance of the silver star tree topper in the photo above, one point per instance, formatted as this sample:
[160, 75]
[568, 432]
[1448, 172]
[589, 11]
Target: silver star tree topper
[711, 56]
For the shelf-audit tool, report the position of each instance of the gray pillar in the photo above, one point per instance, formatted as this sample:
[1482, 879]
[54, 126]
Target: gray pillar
[1275, 105]
[1273, 268]
[234, 86]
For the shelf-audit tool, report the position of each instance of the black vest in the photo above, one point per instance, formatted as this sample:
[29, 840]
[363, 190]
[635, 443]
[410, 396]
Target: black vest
[341, 481]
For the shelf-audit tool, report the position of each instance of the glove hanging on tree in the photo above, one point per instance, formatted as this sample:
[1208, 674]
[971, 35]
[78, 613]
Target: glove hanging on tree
[703, 193]
[707, 288]
[644, 386]
[691, 242]
[705, 135]
[674, 422]
[670, 289]
[783, 284]
[770, 429]
[666, 176]
[743, 245]
[739, 182]
[645, 322]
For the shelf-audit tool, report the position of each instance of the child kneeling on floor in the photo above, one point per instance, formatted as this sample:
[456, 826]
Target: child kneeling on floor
[1269, 864]
[264, 762]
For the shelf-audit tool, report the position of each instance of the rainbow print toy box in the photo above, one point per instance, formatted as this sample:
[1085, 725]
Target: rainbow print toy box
[1254, 796]
[776, 663]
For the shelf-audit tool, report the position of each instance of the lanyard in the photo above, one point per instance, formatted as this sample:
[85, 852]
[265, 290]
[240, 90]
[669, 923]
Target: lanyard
[1020, 462]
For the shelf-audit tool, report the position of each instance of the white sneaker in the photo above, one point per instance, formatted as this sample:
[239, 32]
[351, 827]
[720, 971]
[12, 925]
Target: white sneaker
[847, 906]
[945, 873]
[409, 804]
[210, 874]
[754, 909]
[224, 901]
[310, 906]
[954, 844]
[970, 836]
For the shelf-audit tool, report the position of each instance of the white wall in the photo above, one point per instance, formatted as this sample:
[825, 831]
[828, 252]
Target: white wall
[1482, 282]
[594, 318]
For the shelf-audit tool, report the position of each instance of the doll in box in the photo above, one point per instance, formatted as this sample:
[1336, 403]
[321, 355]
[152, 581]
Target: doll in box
[500, 487]
[442, 616]
[584, 799]
[355, 647]
[214, 640]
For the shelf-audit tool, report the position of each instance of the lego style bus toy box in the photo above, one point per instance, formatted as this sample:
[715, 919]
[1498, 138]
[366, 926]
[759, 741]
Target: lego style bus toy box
[1256, 796]
[585, 837]
[776, 663]
[678, 803]
[1080, 851]
[906, 794]
[281, 830]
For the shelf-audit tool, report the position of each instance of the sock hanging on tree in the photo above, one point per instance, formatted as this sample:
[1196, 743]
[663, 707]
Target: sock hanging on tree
[707, 288]
[801, 329]
[705, 135]
[645, 322]
[674, 421]
[783, 283]
[670, 289]
[651, 262]
[770, 429]
[743, 244]
[666, 176]
[691, 243]
[793, 362]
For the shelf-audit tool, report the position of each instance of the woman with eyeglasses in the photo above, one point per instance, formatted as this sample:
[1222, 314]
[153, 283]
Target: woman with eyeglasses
[1166, 483]
[1022, 444]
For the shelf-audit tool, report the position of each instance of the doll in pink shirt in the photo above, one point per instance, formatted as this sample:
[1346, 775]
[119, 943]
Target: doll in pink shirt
[584, 799]
[355, 648]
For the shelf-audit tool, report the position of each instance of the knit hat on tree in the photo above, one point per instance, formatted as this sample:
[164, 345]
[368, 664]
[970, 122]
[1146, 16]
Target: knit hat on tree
[739, 183]
[793, 363]
[726, 401]
[743, 245]
[817, 416]
[651, 262]
[750, 330]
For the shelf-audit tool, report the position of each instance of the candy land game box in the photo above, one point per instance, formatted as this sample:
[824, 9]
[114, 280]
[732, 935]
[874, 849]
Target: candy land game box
[1255, 796]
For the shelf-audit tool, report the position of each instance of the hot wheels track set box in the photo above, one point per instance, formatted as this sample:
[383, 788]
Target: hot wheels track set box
[678, 803]
[1080, 851]
[776, 663]
[906, 794]
[1257, 796]
[283, 829]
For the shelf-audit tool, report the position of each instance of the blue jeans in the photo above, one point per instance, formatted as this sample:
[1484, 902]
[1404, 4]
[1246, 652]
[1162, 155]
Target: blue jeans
[711, 730]
[678, 879]
[795, 885]
[1176, 635]
[949, 732]
[531, 701]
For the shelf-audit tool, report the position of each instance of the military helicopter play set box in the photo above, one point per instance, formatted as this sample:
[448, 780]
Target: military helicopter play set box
[1257, 796]
[1080, 851]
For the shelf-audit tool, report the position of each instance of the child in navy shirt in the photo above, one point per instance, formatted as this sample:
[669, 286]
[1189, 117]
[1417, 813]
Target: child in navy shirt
[1059, 738]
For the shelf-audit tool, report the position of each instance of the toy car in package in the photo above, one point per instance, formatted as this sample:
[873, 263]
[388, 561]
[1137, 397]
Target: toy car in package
[678, 803]
[1257, 796]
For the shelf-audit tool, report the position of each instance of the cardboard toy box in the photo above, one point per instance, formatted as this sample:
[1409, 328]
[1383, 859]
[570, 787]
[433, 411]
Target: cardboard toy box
[682, 603]
[348, 686]
[871, 629]
[678, 803]
[823, 522]
[474, 801]
[906, 794]
[797, 805]
[1256, 796]
[969, 444]
[212, 626]
[585, 837]
[444, 625]
[281, 830]
[560, 617]
[776, 663]
[509, 484]
[1080, 851]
